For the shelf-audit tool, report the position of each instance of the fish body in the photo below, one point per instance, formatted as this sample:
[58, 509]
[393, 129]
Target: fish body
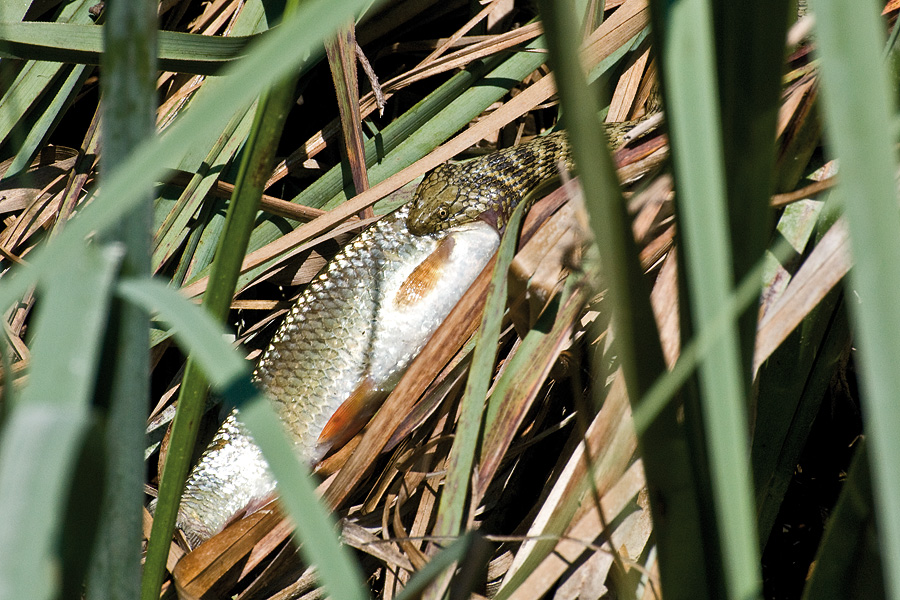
[338, 353]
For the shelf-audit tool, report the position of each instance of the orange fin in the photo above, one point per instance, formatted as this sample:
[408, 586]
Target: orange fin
[351, 416]
[424, 277]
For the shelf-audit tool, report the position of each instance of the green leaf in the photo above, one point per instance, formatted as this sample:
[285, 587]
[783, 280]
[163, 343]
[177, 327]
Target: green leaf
[859, 109]
[41, 439]
[450, 555]
[676, 509]
[256, 164]
[451, 517]
[34, 80]
[83, 44]
[192, 327]
[128, 117]
[48, 119]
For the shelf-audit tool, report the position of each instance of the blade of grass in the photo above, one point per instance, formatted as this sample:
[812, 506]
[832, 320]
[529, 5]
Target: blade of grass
[253, 19]
[317, 532]
[128, 115]
[451, 555]
[48, 119]
[451, 517]
[666, 388]
[33, 80]
[687, 54]
[823, 340]
[858, 107]
[749, 44]
[663, 445]
[792, 382]
[83, 44]
[14, 10]
[41, 438]
[336, 571]
[521, 381]
[193, 328]
[174, 227]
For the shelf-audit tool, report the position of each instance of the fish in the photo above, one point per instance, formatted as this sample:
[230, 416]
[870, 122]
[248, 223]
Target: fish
[353, 332]
[338, 353]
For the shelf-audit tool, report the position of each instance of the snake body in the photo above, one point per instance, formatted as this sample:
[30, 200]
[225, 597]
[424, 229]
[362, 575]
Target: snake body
[357, 326]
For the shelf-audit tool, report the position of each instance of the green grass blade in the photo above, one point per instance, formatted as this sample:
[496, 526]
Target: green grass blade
[858, 110]
[41, 439]
[128, 85]
[314, 525]
[791, 383]
[663, 445]
[83, 44]
[285, 50]
[688, 61]
[49, 118]
[811, 357]
[171, 233]
[193, 328]
[452, 517]
[522, 378]
[664, 389]
[450, 555]
[22, 95]
[749, 40]
[34, 79]
[253, 19]
[13, 10]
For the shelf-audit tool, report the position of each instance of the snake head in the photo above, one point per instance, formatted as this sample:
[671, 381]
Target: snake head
[440, 202]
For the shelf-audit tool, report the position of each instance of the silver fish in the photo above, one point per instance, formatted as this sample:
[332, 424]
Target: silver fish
[338, 353]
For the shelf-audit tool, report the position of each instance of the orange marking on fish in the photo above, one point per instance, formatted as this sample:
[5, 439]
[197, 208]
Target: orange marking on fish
[351, 416]
[424, 277]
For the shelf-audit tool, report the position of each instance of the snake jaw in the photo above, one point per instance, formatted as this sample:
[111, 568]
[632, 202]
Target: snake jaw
[486, 189]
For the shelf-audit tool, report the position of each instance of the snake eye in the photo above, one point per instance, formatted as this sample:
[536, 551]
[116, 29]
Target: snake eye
[442, 213]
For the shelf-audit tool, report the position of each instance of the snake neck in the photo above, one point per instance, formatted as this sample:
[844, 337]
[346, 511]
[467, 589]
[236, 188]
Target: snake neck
[491, 187]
